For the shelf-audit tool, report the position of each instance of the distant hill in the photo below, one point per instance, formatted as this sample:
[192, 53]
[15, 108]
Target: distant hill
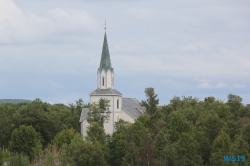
[15, 101]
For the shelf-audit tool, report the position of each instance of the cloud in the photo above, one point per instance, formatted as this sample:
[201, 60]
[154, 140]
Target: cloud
[239, 85]
[205, 85]
[164, 45]
[220, 85]
[196, 46]
[140, 13]
[19, 26]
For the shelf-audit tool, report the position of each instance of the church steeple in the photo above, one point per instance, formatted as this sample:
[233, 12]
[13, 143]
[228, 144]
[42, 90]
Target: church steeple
[105, 72]
[105, 62]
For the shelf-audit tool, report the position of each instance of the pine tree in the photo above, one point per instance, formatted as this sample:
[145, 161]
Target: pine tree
[151, 102]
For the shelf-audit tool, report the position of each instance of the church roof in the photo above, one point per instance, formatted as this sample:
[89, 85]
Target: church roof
[105, 62]
[108, 91]
[132, 107]
[84, 114]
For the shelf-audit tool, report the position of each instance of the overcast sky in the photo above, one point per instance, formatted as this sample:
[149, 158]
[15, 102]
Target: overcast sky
[51, 49]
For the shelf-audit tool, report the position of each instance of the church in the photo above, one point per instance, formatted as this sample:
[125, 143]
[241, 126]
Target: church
[127, 109]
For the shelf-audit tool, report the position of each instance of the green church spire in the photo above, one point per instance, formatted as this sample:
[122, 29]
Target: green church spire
[105, 62]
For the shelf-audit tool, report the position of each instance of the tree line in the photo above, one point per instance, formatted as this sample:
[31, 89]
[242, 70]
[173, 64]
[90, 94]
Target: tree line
[185, 132]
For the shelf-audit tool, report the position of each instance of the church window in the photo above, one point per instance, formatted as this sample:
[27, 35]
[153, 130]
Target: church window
[102, 81]
[117, 103]
[113, 80]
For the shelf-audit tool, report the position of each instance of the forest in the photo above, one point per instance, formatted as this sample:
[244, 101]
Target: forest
[185, 132]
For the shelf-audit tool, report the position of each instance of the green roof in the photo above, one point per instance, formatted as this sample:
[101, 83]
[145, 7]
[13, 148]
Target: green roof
[105, 62]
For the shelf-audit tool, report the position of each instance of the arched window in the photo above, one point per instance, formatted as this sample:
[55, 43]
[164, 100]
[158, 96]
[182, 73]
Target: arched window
[102, 81]
[117, 103]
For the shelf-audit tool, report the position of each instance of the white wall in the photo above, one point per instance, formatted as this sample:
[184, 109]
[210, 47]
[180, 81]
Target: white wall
[108, 79]
[115, 112]
[127, 117]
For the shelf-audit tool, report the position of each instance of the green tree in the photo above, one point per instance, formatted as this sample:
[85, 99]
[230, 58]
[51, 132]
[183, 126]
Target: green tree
[76, 110]
[239, 146]
[210, 124]
[85, 153]
[25, 140]
[130, 145]
[18, 159]
[221, 147]
[235, 104]
[160, 144]
[151, 103]
[208, 127]
[246, 133]
[6, 122]
[1, 156]
[205, 146]
[64, 137]
[120, 124]
[52, 156]
[147, 150]
[176, 103]
[187, 151]
[177, 123]
[95, 133]
[99, 113]
[37, 115]
[117, 143]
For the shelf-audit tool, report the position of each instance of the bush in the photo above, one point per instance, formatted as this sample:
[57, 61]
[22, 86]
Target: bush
[18, 159]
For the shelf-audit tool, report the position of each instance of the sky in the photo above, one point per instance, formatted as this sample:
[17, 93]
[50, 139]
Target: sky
[51, 49]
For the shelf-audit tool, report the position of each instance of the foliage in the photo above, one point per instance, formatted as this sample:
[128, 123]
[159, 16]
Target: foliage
[160, 143]
[51, 156]
[187, 131]
[246, 133]
[131, 145]
[64, 137]
[120, 124]
[177, 124]
[99, 113]
[25, 140]
[1, 156]
[85, 153]
[221, 147]
[45, 118]
[18, 159]
[187, 151]
[95, 133]
[151, 103]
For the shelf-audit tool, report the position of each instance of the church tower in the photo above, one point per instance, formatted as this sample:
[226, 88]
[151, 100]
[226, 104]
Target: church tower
[127, 109]
[105, 88]
[105, 72]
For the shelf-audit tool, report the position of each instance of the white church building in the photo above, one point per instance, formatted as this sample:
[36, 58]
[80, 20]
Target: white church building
[127, 109]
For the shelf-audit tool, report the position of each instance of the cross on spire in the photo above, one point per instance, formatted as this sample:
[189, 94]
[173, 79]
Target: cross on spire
[105, 26]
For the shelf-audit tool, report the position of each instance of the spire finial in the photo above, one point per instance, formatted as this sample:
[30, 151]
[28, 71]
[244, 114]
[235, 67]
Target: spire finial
[105, 26]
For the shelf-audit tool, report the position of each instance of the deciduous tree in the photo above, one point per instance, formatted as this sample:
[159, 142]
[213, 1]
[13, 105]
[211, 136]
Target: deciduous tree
[25, 140]
[99, 112]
